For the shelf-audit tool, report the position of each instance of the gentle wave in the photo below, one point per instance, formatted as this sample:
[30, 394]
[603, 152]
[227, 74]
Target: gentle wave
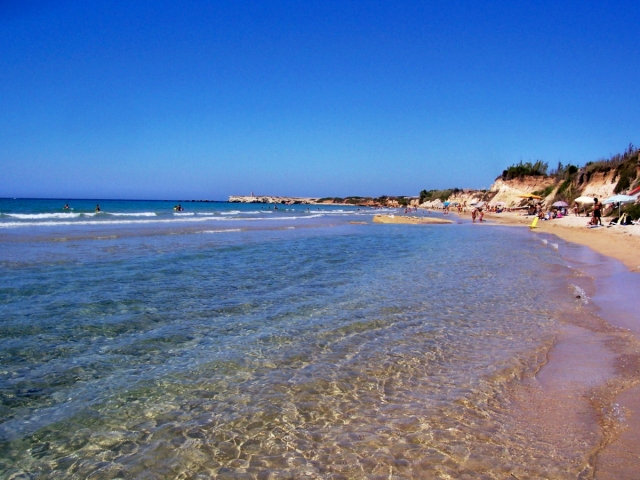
[138, 214]
[34, 216]
[222, 231]
[132, 222]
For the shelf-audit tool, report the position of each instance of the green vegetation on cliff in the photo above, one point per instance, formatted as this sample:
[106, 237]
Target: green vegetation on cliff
[429, 195]
[528, 169]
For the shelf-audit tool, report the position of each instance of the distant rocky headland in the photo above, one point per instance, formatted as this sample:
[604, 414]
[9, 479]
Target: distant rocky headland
[270, 199]
[384, 201]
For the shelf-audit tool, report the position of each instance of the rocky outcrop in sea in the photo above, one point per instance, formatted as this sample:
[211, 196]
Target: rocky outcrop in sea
[270, 199]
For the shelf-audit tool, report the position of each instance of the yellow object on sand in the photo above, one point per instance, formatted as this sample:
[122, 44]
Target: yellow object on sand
[534, 224]
[530, 195]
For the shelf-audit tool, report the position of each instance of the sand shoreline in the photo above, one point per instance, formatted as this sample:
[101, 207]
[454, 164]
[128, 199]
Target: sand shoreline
[617, 456]
[619, 242]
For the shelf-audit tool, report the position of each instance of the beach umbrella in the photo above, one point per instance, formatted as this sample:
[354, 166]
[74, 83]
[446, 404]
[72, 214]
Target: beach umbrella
[480, 204]
[446, 204]
[584, 200]
[560, 204]
[620, 199]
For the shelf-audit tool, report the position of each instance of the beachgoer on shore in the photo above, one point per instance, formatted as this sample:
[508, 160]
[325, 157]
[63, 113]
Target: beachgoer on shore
[575, 209]
[474, 213]
[597, 211]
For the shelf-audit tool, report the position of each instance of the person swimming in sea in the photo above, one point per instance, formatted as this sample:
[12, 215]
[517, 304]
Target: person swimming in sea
[97, 208]
[66, 206]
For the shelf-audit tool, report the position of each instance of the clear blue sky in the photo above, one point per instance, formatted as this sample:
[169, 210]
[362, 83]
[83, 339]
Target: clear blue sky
[156, 99]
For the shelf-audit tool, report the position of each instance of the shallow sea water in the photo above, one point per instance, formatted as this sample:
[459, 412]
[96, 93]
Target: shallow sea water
[327, 350]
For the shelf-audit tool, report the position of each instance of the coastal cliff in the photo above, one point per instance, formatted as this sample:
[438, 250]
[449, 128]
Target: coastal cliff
[600, 179]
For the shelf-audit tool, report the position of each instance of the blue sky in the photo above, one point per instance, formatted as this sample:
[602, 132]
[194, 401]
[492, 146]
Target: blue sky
[157, 99]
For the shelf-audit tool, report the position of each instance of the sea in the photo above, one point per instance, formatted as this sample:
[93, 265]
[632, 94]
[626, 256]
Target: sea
[255, 341]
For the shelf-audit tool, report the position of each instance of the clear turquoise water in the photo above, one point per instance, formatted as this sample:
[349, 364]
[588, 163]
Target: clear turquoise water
[289, 348]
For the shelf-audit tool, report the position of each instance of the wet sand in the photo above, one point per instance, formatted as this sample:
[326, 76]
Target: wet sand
[619, 242]
[409, 220]
[594, 366]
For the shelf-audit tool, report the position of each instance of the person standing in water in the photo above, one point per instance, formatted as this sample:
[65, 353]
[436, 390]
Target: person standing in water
[97, 208]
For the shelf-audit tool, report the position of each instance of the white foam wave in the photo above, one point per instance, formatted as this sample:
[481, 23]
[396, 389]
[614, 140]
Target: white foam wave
[137, 214]
[35, 216]
[187, 218]
[103, 222]
[222, 231]
[232, 212]
[184, 214]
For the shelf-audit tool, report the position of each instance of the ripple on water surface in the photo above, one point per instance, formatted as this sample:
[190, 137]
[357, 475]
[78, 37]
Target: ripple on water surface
[306, 352]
